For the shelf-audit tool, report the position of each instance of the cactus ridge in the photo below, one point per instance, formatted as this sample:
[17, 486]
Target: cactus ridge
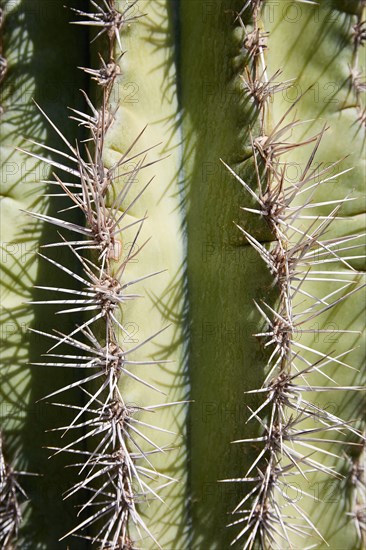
[287, 443]
[117, 473]
[288, 420]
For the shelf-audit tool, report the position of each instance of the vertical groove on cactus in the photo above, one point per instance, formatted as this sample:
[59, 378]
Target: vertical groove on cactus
[294, 427]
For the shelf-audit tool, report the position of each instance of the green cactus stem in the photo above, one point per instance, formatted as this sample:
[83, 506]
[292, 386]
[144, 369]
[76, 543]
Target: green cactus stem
[182, 289]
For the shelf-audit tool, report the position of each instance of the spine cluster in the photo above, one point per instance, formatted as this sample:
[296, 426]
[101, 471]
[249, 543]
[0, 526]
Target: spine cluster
[113, 454]
[295, 430]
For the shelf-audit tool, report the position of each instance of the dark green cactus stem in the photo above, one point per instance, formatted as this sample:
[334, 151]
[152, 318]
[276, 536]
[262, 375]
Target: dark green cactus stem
[225, 359]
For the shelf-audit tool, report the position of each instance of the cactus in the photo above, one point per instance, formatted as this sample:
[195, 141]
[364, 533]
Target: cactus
[182, 274]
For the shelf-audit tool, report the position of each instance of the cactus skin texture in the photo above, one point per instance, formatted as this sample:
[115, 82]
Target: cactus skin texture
[196, 348]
